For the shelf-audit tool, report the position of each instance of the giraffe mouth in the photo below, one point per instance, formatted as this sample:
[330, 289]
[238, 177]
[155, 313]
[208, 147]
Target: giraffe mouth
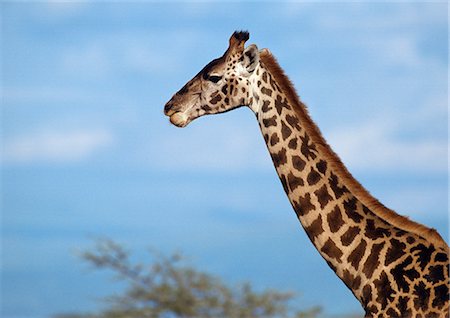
[179, 119]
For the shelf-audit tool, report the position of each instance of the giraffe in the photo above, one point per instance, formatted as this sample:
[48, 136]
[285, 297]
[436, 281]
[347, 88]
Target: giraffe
[395, 267]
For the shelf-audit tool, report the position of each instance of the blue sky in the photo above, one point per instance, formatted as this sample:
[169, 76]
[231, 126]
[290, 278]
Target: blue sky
[87, 152]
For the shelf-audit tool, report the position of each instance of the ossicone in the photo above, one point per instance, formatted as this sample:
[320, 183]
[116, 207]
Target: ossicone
[237, 40]
[241, 35]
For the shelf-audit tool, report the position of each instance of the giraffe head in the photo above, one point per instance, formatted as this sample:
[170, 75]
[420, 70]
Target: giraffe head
[222, 85]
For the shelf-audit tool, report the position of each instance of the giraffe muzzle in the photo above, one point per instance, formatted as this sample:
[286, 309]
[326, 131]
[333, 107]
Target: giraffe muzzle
[179, 119]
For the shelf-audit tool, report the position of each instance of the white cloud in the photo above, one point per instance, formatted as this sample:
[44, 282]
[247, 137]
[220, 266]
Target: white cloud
[392, 36]
[55, 146]
[400, 50]
[372, 146]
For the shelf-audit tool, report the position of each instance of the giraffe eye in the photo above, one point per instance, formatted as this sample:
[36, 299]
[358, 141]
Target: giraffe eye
[214, 78]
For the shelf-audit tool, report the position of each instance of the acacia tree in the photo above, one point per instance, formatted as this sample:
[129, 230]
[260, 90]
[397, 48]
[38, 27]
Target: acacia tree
[168, 288]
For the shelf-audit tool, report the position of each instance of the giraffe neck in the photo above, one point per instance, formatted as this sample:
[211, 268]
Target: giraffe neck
[321, 202]
[359, 245]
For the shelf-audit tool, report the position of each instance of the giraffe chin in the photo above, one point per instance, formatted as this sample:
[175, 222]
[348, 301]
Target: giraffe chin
[179, 119]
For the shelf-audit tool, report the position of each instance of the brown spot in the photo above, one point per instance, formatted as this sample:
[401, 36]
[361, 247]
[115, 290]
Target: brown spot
[400, 273]
[216, 99]
[355, 257]
[305, 204]
[410, 239]
[227, 100]
[330, 249]
[258, 83]
[338, 191]
[374, 232]
[368, 212]
[274, 139]
[313, 177]
[395, 232]
[279, 104]
[441, 296]
[366, 294]
[206, 108]
[285, 130]
[424, 253]
[334, 219]
[322, 196]
[279, 158]
[264, 77]
[435, 274]
[395, 251]
[272, 121]
[322, 166]
[384, 290]
[265, 107]
[266, 91]
[441, 257]
[350, 210]
[294, 181]
[392, 313]
[356, 282]
[351, 281]
[371, 309]
[298, 163]
[293, 143]
[315, 229]
[373, 260]
[402, 306]
[348, 237]
[272, 82]
[224, 89]
[422, 298]
[433, 314]
[307, 149]
[293, 121]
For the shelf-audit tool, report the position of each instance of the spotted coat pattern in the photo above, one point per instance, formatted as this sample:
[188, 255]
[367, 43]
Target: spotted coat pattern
[393, 272]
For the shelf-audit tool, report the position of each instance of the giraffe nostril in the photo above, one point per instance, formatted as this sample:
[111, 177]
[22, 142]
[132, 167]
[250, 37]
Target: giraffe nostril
[168, 108]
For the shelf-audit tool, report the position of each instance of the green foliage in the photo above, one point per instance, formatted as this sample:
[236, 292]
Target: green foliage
[168, 288]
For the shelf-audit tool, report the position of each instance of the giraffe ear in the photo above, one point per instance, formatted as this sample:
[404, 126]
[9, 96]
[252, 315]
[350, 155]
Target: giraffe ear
[250, 58]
